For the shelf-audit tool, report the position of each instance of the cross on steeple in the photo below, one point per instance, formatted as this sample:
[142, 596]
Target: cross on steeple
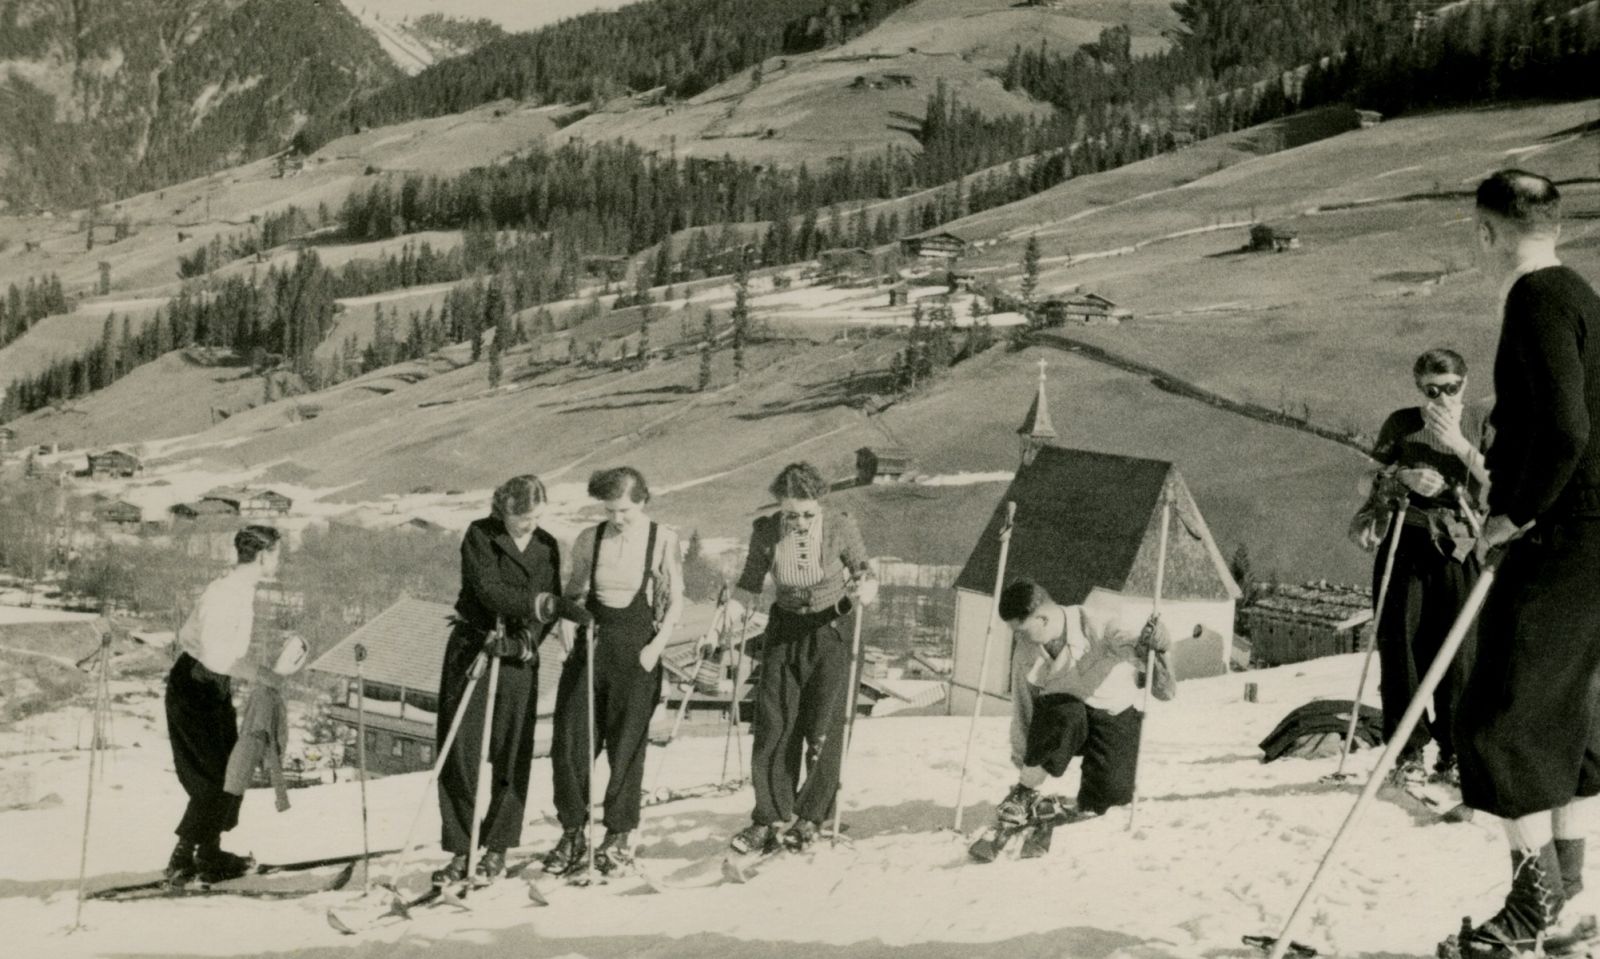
[1036, 429]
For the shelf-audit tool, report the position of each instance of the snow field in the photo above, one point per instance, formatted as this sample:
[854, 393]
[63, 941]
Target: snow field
[1222, 847]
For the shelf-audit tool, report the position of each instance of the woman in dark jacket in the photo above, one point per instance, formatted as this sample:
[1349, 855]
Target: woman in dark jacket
[507, 561]
[1432, 464]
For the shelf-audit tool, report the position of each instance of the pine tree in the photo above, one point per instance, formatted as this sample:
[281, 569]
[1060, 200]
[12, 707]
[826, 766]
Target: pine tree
[494, 362]
[707, 344]
[1030, 269]
[741, 314]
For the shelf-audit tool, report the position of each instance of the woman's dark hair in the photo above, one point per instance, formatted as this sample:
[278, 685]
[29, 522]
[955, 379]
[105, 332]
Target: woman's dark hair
[518, 495]
[1021, 599]
[252, 541]
[617, 482]
[1440, 362]
[799, 481]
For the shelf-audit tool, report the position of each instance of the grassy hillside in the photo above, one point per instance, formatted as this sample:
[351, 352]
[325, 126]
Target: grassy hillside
[101, 99]
[1386, 267]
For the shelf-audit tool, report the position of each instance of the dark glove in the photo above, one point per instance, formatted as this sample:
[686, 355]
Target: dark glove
[549, 607]
[513, 644]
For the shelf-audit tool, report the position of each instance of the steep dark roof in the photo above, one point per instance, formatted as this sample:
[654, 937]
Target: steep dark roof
[1088, 519]
[405, 646]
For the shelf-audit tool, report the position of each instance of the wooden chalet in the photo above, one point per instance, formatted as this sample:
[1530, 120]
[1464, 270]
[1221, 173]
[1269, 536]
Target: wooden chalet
[119, 513]
[1265, 238]
[252, 502]
[405, 650]
[882, 464]
[117, 463]
[1091, 308]
[203, 510]
[943, 245]
[1292, 623]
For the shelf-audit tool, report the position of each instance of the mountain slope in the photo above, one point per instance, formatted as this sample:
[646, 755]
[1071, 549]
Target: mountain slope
[100, 99]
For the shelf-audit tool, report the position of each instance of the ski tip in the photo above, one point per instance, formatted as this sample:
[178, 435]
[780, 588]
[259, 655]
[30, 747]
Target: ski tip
[339, 925]
[342, 878]
[732, 872]
[1265, 943]
[536, 895]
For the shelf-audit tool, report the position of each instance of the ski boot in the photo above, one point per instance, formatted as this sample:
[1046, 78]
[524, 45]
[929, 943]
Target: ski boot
[1522, 925]
[755, 838]
[1012, 816]
[1445, 773]
[491, 866]
[451, 873]
[180, 865]
[568, 854]
[1048, 813]
[614, 854]
[215, 864]
[1408, 773]
[800, 836]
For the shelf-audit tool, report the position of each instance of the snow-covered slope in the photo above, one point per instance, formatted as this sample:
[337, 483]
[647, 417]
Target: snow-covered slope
[1222, 847]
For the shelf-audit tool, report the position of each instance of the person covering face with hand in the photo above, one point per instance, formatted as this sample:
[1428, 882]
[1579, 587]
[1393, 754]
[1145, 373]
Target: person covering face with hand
[1433, 466]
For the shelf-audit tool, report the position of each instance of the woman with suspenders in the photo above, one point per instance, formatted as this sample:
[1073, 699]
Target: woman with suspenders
[628, 570]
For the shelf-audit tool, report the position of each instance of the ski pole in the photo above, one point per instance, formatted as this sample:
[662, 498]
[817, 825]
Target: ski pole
[738, 720]
[1006, 529]
[361, 765]
[1391, 753]
[474, 674]
[849, 723]
[732, 731]
[594, 628]
[102, 702]
[1397, 517]
[482, 788]
[1150, 658]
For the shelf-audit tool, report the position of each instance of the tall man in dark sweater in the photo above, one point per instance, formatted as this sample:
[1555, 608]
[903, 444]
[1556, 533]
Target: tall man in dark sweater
[1526, 732]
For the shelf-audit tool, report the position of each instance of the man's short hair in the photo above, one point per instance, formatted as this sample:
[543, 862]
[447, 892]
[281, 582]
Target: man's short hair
[252, 541]
[1526, 199]
[1022, 599]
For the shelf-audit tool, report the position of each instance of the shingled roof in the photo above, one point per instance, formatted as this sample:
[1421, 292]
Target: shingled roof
[1087, 520]
[405, 646]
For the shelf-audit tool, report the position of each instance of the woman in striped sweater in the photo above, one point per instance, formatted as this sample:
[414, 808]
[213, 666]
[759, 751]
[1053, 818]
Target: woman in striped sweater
[818, 564]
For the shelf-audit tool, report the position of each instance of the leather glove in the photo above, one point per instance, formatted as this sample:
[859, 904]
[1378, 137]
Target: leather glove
[549, 607]
[1153, 637]
[513, 644]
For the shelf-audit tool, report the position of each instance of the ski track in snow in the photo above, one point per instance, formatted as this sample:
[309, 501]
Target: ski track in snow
[1222, 848]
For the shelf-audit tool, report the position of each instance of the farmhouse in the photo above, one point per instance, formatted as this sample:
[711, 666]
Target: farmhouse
[1088, 529]
[405, 648]
[943, 245]
[1369, 118]
[118, 463]
[119, 512]
[1091, 308]
[1292, 624]
[1265, 238]
[204, 509]
[882, 464]
[252, 503]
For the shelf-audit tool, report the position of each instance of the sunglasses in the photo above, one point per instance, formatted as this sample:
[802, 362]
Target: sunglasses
[1436, 390]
